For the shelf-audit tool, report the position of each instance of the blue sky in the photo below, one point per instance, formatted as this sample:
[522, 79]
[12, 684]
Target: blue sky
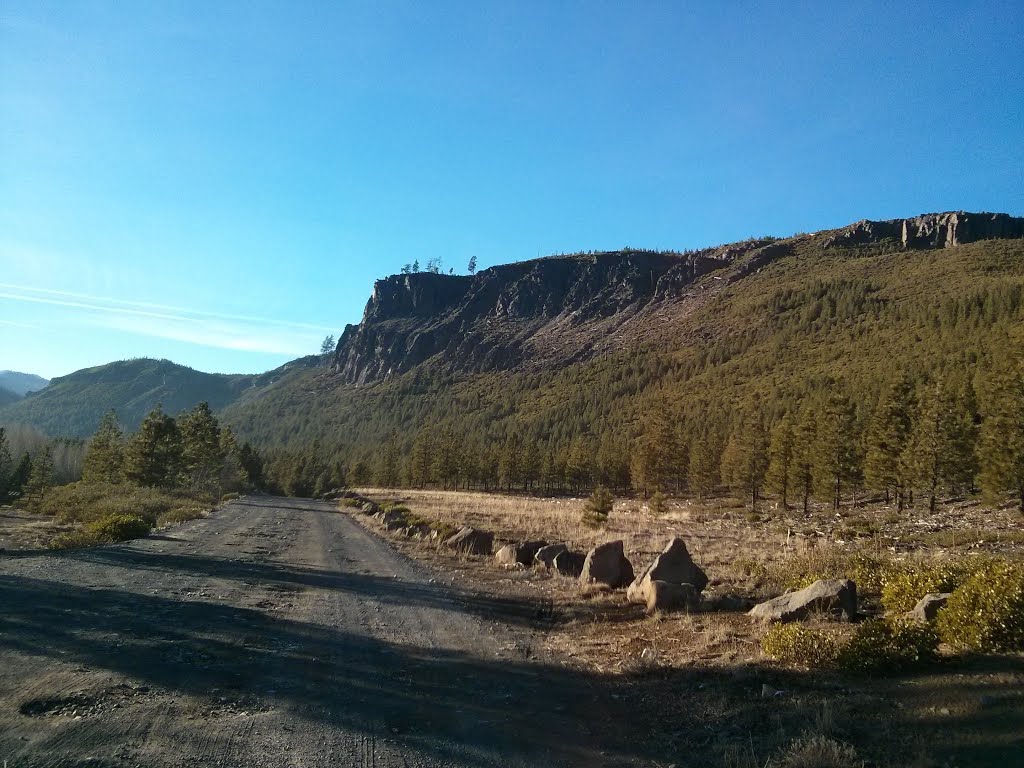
[220, 183]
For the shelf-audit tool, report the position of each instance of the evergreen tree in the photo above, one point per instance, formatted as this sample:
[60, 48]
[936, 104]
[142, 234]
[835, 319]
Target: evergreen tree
[780, 459]
[887, 440]
[472, 265]
[233, 476]
[705, 463]
[201, 451]
[836, 459]
[6, 466]
[448, 458]
[153, 455]
[659, 461]
[529, 464]
[387, 468]
[104, 460]
[805, 437]
[252, 465]
[598, 507]
[421, 461]
[658, 504]
[1001, 446]
[509, 469]
[745, 458]
[327, 349]
[40, 479]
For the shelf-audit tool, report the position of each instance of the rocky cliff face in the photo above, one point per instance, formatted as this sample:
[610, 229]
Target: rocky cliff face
[566, 308]
[931, 230]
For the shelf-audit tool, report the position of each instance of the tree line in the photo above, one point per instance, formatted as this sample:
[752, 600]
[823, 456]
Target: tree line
[926, 437]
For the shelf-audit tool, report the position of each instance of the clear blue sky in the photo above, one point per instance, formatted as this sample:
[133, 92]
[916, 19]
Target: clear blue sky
[220, 183]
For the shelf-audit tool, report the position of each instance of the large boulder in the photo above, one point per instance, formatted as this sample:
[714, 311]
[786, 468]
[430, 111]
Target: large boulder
[569, 563]
[929, 606]
[674, 565]
[606, 564]
[507, 555]
[837, 597]
[546, 555]
[521, 554]
[669, 596]
[471, 541]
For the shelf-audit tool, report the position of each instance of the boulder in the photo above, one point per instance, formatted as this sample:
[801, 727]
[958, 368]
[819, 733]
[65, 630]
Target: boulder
[668, 596]
[418, 531]
[507, 555]
[546, 555]
[673, 565]
[829, 596]
[929, 606]
[471, 541]
[606, 564]
[369, 508]
[569, 563]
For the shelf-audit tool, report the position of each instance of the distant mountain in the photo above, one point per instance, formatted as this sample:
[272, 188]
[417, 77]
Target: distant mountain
[72, 405]
[7, 397]
[21, 383]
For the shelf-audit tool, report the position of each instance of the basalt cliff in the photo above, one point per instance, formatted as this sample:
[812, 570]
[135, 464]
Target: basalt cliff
[561, 309]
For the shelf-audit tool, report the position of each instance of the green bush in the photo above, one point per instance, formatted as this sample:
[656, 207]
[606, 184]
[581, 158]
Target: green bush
[885, 647]
[867, 570]
[74, 540]
[394, 506]
[119, 528]
[986, 613]
[906, 584]
[598, 507]
[229, 497]
[801, 645]
[350, 502]
[874, 647]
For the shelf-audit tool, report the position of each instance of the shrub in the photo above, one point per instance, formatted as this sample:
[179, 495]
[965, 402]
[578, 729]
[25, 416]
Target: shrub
[867, 570]
[598, 507]
[658, 504]
[350, 502]
[886, 647]
[906, 584]
[180, 515]
[229, 497]
[119, 528]
[874, 647]
[393, 506]
[801, 645]
[987, 612]
[820, 752]
[74, 540]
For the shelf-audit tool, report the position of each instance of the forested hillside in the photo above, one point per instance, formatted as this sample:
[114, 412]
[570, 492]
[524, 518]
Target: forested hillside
[74, 405]
[682, 381]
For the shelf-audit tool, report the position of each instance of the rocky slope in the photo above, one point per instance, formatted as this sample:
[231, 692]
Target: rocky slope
[558, 310]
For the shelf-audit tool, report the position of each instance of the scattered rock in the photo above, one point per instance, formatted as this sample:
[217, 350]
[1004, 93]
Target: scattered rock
[546, 555]
[827, 596]
[666, 596]
[569, 563]
[606, 564]
[521, 554]
[673, 565]
[928, 607]
[471, 541]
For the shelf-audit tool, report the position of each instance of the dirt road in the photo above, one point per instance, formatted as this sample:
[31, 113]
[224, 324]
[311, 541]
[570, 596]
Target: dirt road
[278, 632]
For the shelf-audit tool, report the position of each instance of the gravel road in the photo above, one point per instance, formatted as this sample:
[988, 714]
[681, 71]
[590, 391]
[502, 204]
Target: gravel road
[279, 632]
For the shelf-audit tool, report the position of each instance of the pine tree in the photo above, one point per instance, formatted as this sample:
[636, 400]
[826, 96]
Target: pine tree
[598, 507]
[659, 461]
[40, 479]
[387, 468]
[836, 459]
[1001, 449]
[421, 460]
[705, 463]
[745, 458]
[327, 349]
[104, 460]
[153, 455]
[233, 476]
[201, 451]
[887, 439]
[6, 466]
[805, 437]
[780, 459]
[472, 265]
[530, 462]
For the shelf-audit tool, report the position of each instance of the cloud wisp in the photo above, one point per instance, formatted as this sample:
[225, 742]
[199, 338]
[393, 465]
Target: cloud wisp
[209, 329]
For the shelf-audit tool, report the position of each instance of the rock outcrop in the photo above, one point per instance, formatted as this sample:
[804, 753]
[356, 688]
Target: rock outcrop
[931, 230]
[835, 597]
[666, 596]
[546, 555]
[562, 309]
